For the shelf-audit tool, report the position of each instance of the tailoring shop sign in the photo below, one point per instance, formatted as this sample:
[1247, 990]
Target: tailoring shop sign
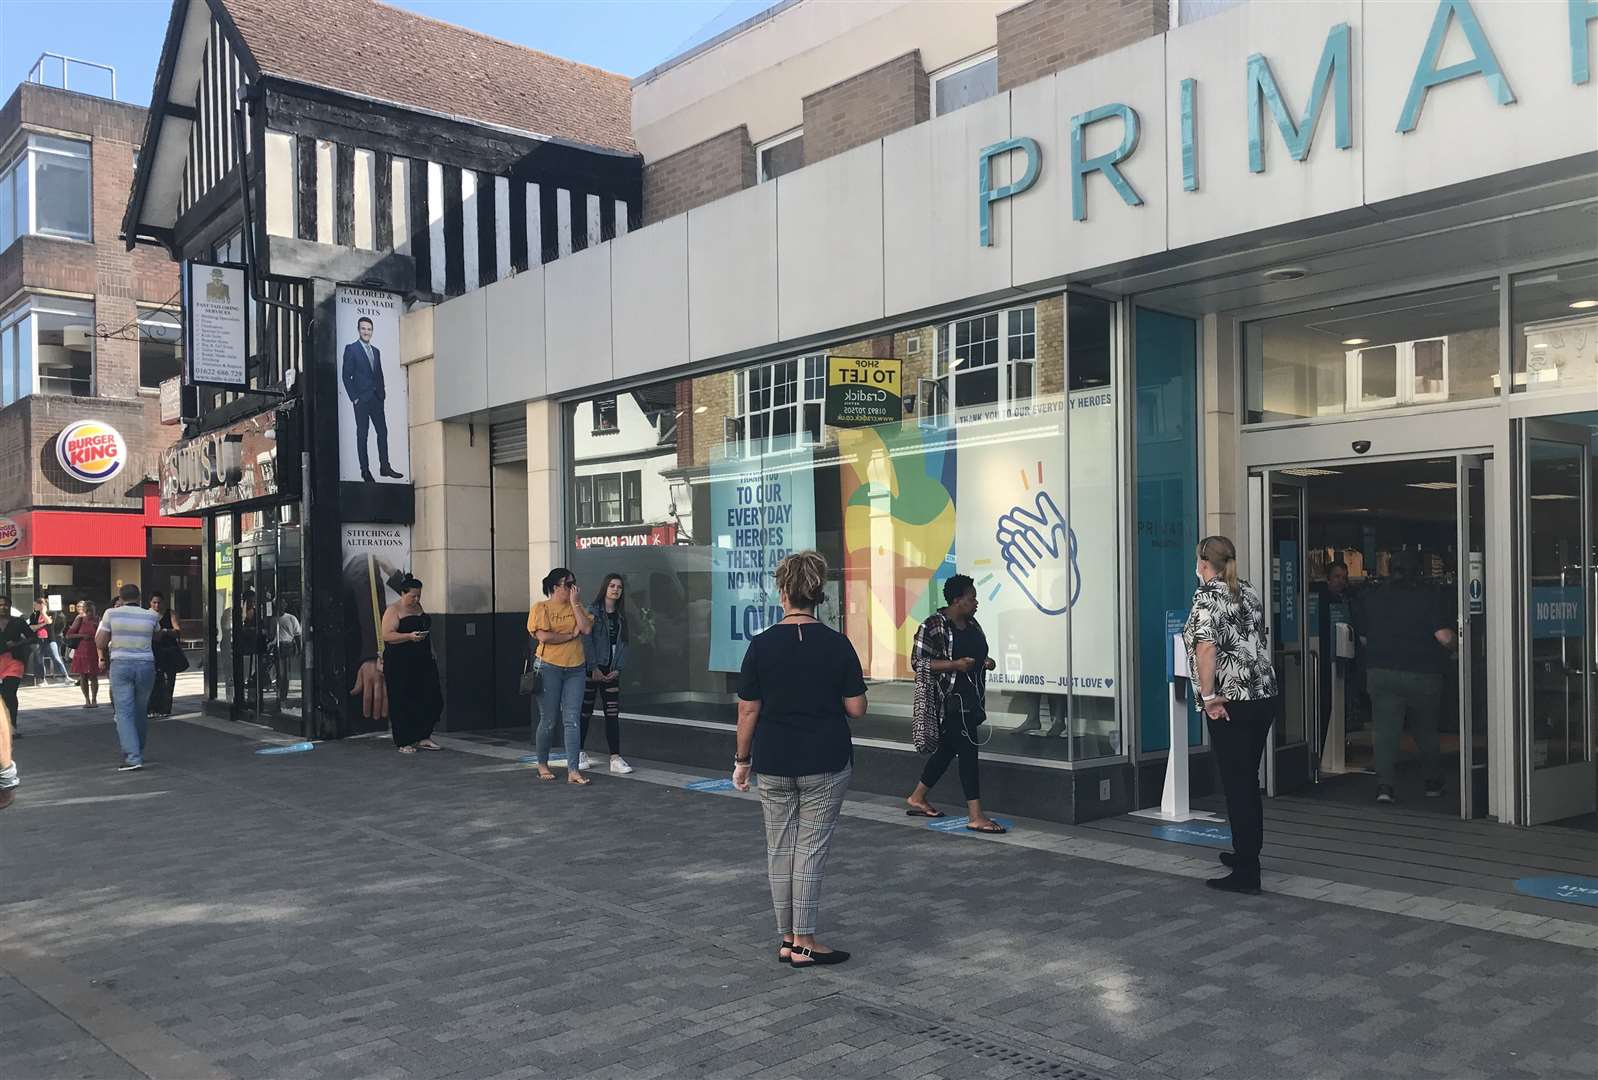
[762, 510]
[863, 392]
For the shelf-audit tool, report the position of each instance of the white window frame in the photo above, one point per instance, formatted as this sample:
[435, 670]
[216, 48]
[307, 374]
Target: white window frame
[1404, 361]
[954, 69]
[31, 306]
[627, 477]
[29, 148]
[938, 394]
[771, 143]
[810, 392]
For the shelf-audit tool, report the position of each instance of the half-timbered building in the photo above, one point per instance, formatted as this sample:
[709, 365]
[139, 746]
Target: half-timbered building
[344, 144]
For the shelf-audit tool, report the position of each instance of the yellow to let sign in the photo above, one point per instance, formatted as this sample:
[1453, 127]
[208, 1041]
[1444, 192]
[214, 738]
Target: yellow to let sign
[862, 391]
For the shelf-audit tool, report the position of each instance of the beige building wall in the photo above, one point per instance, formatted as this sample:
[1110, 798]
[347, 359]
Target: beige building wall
[760, 77]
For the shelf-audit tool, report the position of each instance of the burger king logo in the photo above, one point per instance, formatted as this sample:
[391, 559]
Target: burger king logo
[10, 534]
[92, 451]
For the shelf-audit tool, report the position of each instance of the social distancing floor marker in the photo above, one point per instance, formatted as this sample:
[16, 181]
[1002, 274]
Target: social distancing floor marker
[1216, 836]
[292, 748]
[723, 784]
[1566, 889]
[958, 825]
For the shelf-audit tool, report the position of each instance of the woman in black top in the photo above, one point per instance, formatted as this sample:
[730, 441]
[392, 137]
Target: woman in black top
[415, 699]
[168, 649]
[800, 686]
[951, 662]
[605, 652]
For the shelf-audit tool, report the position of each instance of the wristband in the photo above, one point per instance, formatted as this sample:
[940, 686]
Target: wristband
[737, 761]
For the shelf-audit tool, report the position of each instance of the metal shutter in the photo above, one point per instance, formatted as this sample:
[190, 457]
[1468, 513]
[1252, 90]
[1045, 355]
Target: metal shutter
[507, 442]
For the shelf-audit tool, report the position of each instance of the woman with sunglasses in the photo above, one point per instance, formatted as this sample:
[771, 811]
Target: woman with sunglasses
[559, 623]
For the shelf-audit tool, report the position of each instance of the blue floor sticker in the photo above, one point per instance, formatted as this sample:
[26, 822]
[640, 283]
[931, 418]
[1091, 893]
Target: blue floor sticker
[295, 748]
[1567, 889]
[1216, 836]
[556, 761]
[723, 784]
[958, 824]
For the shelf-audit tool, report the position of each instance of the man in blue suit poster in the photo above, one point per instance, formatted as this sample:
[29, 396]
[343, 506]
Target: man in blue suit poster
[363, 382]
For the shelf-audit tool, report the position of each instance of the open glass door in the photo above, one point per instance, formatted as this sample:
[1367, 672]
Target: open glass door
[1557, 665]
[1289, 758]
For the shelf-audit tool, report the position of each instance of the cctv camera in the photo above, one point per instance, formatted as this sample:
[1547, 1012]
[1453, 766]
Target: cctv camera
[1361, 446]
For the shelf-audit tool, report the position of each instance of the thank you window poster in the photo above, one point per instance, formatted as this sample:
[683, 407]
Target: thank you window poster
[1033, 568]
[373, 416]
[761, 510]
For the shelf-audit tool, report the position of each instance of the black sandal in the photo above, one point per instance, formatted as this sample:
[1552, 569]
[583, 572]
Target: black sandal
[836, 956]
[781, 959]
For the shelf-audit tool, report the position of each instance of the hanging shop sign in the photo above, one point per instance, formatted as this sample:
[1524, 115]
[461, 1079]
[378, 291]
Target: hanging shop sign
[10, 534]
[216, 322]
[91, 451]
[863, 392]
[640, 536]
[236, 464]
[372, 414]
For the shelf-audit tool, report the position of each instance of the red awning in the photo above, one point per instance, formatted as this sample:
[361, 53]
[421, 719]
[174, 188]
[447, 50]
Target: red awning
[92, 534]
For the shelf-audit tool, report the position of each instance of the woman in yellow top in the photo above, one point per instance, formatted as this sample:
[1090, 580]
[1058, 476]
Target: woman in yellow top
[559, 622]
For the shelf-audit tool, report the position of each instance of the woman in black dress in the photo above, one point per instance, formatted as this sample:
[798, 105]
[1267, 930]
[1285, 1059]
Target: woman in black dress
[414, 698]
[168, 651]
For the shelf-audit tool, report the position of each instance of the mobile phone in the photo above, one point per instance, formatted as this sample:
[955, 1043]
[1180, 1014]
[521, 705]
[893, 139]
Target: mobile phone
[424, 633]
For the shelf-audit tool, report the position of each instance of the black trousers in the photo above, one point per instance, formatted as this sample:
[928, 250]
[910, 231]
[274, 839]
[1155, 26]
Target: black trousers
[955, 743]
[8, 694]
[1238, 744]
[369, 414]
[610, 694]
[166, 681]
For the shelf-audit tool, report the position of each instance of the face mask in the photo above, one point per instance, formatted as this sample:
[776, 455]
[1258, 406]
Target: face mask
[1198, 574]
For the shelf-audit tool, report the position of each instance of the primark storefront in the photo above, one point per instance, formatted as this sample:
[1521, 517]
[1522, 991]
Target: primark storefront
[1321, 277]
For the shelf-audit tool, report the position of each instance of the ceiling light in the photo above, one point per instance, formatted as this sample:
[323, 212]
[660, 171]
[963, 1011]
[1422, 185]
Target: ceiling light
[700, 409]
[1310, 472]
[1583, 305]
[1435, 485]
[1357, 341]
[1285, 273]
[1540, 345]
[1552, 497]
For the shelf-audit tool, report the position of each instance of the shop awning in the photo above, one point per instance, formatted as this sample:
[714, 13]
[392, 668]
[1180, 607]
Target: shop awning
[90, 534]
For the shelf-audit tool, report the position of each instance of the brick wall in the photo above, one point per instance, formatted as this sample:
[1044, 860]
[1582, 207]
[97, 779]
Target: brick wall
[1046, 36]
[118, 280]
[719, 166]
[867, 106]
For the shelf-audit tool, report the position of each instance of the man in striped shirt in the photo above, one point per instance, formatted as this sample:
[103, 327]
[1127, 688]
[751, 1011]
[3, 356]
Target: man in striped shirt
[126, 632]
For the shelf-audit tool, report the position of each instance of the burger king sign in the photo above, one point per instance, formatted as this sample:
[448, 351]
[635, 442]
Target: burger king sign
[10, 534]
[91, 451]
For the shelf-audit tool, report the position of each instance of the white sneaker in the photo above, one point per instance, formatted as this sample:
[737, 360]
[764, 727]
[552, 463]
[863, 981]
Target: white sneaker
[618, 764]
[583, 762]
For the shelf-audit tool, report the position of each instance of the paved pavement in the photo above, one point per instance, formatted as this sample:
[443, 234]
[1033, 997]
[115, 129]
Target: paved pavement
[351, 912]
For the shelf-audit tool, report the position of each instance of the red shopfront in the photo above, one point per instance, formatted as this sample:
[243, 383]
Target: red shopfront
[65, 556]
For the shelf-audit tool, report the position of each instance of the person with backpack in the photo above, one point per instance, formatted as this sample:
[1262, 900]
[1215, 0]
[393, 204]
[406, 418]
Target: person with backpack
[951, 664]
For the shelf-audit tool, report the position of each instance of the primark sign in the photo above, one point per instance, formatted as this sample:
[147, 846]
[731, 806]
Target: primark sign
[1454, 48]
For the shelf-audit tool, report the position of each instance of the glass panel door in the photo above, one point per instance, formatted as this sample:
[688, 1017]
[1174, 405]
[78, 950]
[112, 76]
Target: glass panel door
[1556, 622]
[1473, 600]
[1290, 738]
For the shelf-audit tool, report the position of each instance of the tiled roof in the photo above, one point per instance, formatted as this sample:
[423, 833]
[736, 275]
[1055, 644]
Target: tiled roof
[367, 48]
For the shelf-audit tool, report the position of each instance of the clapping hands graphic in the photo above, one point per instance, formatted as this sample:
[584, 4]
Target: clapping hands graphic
[1039, 551]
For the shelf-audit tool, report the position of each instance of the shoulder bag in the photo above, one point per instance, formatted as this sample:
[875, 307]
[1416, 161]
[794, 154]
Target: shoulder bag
[532, 680]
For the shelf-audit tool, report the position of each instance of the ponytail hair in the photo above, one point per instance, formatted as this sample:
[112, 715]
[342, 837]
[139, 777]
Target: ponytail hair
[802, 577]
[1220, 555]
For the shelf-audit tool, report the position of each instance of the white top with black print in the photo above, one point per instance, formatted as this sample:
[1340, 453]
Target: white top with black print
[1243, 667]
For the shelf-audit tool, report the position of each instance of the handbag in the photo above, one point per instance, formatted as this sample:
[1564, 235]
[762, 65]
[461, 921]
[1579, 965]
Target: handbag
[532, 680]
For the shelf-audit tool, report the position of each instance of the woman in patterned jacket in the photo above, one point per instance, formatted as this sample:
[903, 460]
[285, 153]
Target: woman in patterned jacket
[1229, 661]
[951, 662]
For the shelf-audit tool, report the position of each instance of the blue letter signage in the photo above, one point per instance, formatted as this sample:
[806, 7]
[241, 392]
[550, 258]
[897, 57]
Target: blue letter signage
[987, 194]
[1104, 163]
[1427, 75]
[1334, 70]
[1582, 12]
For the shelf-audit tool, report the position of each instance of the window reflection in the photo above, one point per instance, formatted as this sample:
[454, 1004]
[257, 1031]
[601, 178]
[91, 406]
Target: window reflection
[736, 469]
[1555, 338]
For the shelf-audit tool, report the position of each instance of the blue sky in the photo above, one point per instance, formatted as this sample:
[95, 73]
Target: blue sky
[626, 36]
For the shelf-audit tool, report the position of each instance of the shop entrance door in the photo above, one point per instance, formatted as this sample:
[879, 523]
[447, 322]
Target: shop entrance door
[268, 636]
[1330, 534]
[1558, 668]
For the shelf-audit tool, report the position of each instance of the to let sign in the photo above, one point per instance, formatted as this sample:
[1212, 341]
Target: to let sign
[862, 392]
[216, 306]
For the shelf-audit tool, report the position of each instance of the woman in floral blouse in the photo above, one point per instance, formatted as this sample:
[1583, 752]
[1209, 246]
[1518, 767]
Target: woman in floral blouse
[1229, 661]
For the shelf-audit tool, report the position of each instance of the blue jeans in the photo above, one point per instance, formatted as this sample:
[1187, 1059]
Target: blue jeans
[131, 683]
[562, 697]
[44, 655]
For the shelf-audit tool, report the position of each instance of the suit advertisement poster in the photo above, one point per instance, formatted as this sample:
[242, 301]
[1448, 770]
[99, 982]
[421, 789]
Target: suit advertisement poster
[373, 418]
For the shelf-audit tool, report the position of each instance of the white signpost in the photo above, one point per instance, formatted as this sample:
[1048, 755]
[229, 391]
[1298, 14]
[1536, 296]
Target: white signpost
[1174, 800]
